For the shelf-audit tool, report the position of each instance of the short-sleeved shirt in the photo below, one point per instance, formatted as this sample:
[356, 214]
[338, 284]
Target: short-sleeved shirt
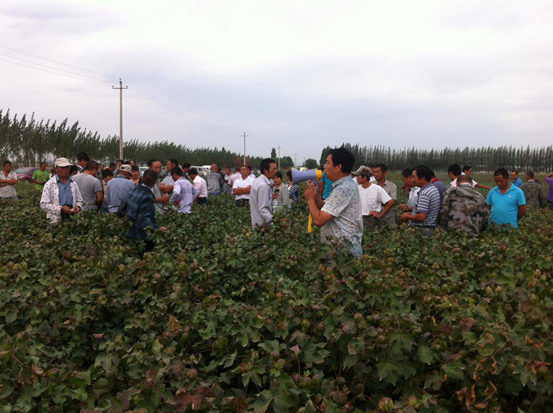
[88, 185]
[391, 190]
[213, 182]
[413, 194]
[346, 224]
[440, 187]
[505, 206]
[40, 176]
[517, 182]
[550, 191]
[372, 198]
[184, 192]
[233, 178]
[8, 191]
[327, 186]
[201, 186]
[293, 192]
[240, 184]
[429, 203]
[533, 193]
[65, 194]
[168, 180]
[118, 190]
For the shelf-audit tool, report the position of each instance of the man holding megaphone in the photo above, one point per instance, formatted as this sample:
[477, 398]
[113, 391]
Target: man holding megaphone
[339, 216]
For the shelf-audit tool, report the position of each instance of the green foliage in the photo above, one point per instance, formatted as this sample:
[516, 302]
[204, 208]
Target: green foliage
[311, 164]
[223, 318]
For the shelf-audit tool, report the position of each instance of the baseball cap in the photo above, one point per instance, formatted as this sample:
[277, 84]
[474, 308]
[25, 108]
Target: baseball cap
[62, 162]
[125, 168]
[360, 170]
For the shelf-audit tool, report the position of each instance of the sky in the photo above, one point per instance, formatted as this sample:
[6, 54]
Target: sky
[301, 75]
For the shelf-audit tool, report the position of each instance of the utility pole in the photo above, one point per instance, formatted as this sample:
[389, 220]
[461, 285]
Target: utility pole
[278, 158]
[245, 147]
[120, 116]
[295, 160]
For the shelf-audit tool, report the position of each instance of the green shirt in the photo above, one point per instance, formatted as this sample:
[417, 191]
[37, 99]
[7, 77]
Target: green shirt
[40, 176]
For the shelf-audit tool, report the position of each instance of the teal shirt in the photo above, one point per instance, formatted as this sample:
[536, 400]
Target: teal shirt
[504, 209]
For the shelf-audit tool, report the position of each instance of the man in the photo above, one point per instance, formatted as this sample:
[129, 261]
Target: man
[467, 170]
[549, 180]
[90, 187]
[242, 187]
[464, 208]
[413, 190]
[119, 188]
[113, 167]
[166, 186]
[439, 186]
[185, 170]
[61, 197]
[100, 170]
[159, 200]
[516, 179]
[505, 201]
[533, 191]
[226, 187]
[260, 194]
[201, 186]
[252, 175]
[40, 177]
[234, 176]
[425, 213]
[107, 175]
[372, 196]
[82, 161]
[380, 172]
[8, 179]
[214, 181]
[116, 170]
[184, 192]
[339, 216]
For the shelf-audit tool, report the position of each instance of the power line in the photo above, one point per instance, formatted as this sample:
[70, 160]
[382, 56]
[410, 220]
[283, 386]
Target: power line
[59, 63]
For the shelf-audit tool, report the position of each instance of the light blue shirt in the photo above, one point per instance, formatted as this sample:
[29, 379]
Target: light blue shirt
[260, 202]
[327, 186]
[118, 190]
[505, 206]
[184, 192]
[66, 196]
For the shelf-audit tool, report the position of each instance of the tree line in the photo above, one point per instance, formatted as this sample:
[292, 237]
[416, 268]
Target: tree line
[26, 141]
[484, 159]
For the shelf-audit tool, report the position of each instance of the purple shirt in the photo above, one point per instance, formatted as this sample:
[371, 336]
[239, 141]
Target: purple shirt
[550, 192]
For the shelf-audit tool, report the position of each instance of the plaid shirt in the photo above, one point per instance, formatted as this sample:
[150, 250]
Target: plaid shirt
[141, 211]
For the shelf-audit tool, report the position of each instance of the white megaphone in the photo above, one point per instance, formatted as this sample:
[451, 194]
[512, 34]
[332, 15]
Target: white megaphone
[311, 174]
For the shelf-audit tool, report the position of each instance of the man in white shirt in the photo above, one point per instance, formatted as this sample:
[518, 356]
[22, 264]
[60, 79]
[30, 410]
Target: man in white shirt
[242, 186]
[8, 179]
[184, 192]
[200, 184]
[234, 177]
[409, 184]
[166, 186]
[373, 197]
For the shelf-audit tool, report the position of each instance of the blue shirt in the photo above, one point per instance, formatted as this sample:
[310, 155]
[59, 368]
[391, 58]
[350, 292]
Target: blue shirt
[118, 190]
[429, 203]
[505, 206]
[517, 182]
[66, 196]
[327, 186]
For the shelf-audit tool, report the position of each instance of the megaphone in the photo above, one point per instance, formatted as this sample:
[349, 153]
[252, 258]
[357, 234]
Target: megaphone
[311, 174]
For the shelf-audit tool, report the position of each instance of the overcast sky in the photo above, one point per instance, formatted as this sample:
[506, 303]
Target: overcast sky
[299, 74]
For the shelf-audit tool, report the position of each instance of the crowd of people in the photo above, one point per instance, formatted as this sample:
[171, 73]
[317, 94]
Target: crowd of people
[343, 203]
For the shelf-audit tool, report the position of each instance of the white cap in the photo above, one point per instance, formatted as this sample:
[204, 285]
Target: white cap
[62, 162]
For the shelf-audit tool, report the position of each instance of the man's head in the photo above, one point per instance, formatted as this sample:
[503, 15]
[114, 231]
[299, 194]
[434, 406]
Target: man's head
[454, 171]
[193, 172]
[125, 170]
[529, 176]
[467, 170]
[268, 168]
[112, 166]
[132, 162]
[135, 172]
[73, 170]
[244, 171]
[100, 167]
[501, 178]
[82, 159]
[464, 179]
[339, 164]
[176, 173]
[289, 175]
[155, 164]
[7, 166]
[149, 178]
[249, 168]
[42, 166]
[380, 171]
[363, 176]
[278, 178]
[422, 175]
[407, 177]
[107, 175]
[120, 162]
[237, 169]
[514, 174]
[214, 168]
[171, 164]
[185, 167]
[62, 167]
[92, 168]
[227, 170]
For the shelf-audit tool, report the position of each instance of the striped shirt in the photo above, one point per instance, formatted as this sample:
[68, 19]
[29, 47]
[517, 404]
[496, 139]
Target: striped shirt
[429, 203]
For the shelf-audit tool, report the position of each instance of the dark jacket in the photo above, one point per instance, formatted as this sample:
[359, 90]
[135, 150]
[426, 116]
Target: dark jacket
[141, 211]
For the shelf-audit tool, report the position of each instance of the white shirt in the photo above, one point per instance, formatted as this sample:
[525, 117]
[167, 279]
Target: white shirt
[413, 196]
[372, 198]
[201, 186]
[242, 183]
[6, 190]
[454, 182]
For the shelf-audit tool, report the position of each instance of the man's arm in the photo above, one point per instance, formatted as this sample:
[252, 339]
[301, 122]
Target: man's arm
[418, 217]
[12, 181]
[478, 185]
[264, 203]
[320, 218]
[386, 208]
[521, 211]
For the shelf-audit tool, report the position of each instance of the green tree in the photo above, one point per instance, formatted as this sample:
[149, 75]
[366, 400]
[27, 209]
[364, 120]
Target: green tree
[311, 163]
[273, 154]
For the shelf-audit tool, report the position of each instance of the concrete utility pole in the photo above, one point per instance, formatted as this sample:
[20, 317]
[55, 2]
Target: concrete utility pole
[245, 147]
[120, 116]
[295, 160]
[278, 157]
